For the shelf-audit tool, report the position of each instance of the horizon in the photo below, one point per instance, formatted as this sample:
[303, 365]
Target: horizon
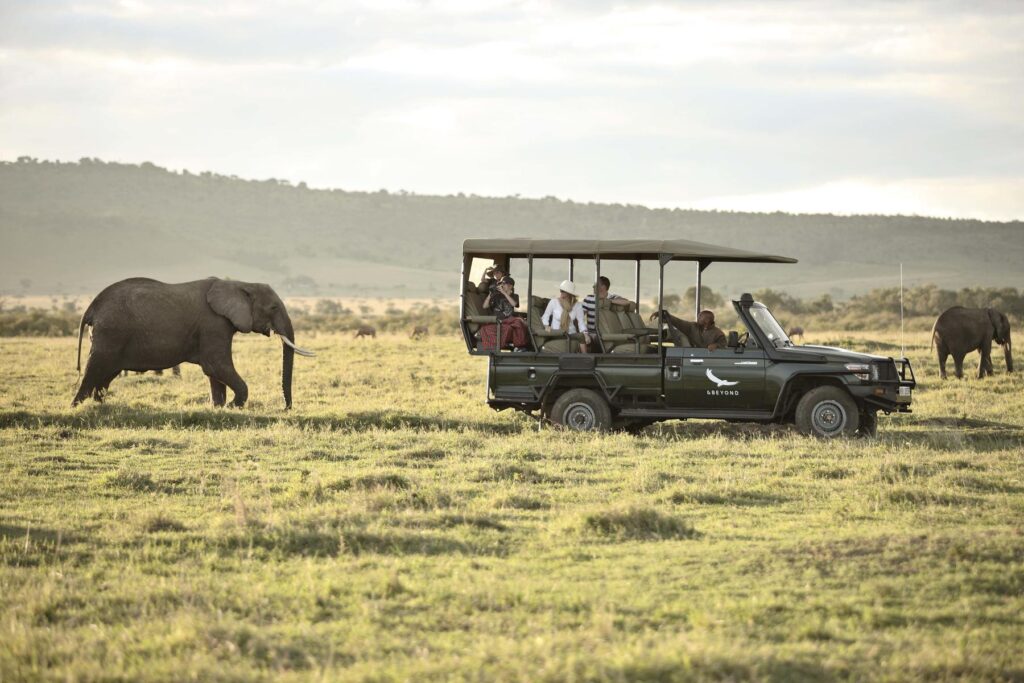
[300, 184]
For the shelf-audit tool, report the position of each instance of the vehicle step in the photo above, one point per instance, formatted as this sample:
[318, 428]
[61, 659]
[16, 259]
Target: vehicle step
[689, 413]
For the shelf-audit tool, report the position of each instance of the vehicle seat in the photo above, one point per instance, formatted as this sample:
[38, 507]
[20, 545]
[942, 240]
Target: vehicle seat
[475, 312]
[612, 322]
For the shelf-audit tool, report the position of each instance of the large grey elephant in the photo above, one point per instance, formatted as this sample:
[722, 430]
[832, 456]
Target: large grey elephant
[959, 331]
[142, 324]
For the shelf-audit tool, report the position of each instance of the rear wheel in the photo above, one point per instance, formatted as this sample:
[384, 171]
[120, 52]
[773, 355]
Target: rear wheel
[582, 410]
[827, 412]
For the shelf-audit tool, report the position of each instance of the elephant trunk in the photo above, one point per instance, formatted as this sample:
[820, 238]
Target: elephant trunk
[1008, 354]
[287, 361]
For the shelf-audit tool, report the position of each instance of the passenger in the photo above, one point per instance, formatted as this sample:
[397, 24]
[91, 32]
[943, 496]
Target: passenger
[501, 303]
[701, 334]
[492, 276]
[590, 304]
[565, 311]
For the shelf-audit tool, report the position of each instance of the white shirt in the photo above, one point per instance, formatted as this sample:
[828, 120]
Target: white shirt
[553, 316]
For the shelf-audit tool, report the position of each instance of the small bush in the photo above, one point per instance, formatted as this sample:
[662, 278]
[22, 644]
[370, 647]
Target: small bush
[645, 524]
[160, 522]
[131, 480]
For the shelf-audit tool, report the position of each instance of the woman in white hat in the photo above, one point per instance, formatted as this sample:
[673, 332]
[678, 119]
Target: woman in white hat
[566, 313]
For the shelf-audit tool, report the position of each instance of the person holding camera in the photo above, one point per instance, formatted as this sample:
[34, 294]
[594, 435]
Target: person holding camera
[492, 276]
[502, 302]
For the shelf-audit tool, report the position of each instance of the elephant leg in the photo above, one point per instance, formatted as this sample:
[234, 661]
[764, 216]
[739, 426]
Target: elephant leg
[958, 364]
[226, 374]
[943, 354]
[238, 385]
[100, 371]
[100, 391]
[982, 363]
[218, 392]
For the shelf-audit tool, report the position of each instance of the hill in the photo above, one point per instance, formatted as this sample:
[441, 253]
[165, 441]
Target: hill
[72, 228]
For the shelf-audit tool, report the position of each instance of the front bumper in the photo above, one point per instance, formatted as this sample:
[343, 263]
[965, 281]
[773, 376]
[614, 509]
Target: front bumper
[893, 390]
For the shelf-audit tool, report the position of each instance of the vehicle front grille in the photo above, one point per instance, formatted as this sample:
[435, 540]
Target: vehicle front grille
[886, 371]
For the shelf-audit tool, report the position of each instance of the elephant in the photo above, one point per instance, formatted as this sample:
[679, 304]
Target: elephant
[142, 324]
[365, 331]
[959, 330]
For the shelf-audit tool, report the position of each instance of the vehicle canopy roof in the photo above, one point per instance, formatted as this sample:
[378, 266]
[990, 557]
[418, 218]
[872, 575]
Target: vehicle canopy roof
[663, 250]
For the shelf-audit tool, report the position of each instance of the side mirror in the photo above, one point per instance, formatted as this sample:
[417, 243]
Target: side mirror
[734, 339]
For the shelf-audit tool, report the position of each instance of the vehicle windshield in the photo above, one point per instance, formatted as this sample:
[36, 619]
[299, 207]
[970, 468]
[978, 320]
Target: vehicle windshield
[764, 319]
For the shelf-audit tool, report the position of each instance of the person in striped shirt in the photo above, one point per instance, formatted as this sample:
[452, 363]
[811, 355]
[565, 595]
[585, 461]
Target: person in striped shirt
[590, 303]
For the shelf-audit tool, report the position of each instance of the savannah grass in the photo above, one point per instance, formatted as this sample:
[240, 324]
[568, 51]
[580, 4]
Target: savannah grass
[391, 527]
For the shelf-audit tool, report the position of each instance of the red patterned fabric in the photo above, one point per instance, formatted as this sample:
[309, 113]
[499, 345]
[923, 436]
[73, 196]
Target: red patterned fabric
[512, 330]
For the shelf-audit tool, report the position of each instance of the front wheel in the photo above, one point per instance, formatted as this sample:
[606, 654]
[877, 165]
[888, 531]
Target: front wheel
[582, 410]
[827, 412]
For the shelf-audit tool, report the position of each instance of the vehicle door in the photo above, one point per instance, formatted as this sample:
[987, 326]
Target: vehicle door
[724, 379]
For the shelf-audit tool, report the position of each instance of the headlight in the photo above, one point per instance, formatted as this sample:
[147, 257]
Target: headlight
[861, 371]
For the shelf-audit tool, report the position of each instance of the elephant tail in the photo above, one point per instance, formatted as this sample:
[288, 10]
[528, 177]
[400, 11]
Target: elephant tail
[86, 320]
[934, 333]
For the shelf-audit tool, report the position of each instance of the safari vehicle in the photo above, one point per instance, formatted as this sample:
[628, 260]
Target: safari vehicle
[637, 376]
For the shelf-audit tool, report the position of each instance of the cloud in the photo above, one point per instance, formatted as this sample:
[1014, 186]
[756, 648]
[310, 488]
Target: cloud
[890, 104]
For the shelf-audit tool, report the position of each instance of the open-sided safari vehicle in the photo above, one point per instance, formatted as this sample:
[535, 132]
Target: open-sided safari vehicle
[634, 375]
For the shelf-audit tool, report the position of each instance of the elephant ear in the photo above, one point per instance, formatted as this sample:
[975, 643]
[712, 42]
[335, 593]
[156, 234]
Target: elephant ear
[231, 300]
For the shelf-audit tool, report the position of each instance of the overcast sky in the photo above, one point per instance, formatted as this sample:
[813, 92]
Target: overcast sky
[844, 107]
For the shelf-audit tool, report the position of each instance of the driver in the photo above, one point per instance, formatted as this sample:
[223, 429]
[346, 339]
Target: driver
[701, 334]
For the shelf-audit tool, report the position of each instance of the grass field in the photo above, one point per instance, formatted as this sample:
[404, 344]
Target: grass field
[392, 527]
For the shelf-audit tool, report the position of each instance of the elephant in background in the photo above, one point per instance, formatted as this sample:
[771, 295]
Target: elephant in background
[959, 331]
[176, 371]
[141, 324]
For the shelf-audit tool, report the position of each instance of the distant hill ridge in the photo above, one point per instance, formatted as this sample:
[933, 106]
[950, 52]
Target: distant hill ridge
[74, 227]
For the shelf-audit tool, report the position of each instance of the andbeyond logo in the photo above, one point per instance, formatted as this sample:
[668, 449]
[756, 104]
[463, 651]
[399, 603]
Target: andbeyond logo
[720, 382]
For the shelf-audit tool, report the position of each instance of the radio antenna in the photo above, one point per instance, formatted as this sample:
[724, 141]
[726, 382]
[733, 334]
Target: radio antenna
[903, 348]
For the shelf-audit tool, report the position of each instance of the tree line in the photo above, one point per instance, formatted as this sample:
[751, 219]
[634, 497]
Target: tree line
[876, 309]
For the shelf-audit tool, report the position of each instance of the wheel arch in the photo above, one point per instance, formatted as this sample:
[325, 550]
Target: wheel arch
[797, 386]
[562, 382]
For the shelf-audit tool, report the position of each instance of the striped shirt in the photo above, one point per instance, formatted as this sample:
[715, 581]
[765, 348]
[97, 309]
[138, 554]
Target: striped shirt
[589, 308]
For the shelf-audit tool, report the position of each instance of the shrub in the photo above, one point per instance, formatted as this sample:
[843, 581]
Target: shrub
[638, 524]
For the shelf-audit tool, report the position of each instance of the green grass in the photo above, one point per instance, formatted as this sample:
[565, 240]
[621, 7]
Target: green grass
[392, 527]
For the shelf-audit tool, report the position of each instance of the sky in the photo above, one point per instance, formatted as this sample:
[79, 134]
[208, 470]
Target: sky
[806, 106]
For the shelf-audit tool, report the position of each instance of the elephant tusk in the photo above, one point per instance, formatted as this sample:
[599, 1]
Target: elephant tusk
[301, 352]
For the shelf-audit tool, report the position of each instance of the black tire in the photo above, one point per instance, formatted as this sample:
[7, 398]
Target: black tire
[582, 410]
[827, 412]
[868, 424]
